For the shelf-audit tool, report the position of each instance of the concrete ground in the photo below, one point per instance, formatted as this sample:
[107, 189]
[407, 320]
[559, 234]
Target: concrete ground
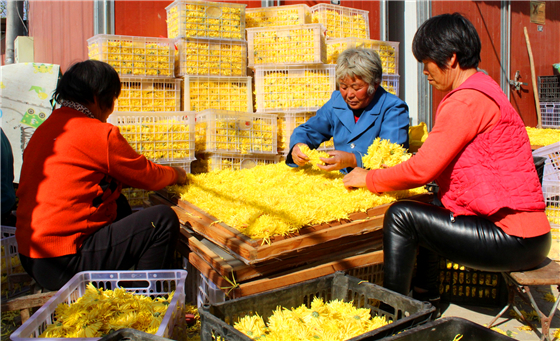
[508, 324]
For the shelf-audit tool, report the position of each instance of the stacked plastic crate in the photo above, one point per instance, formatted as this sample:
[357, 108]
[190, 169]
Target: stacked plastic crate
[288, 54]
[148, 108]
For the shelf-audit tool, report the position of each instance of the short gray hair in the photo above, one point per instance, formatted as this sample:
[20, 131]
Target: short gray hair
[359, 62]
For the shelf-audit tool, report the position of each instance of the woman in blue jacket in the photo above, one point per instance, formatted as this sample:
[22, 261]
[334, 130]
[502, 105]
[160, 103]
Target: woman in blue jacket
[354, 116]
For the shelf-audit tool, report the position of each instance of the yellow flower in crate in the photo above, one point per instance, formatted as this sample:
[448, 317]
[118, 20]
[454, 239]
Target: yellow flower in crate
[314, 156]
[543, 136]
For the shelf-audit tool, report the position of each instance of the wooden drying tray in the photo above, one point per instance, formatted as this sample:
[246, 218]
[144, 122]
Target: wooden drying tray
[254, 251]
[230, 267]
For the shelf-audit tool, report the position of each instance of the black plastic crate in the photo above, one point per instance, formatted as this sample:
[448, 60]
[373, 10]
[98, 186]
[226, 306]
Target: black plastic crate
[463, 285]
[129, 334]
[549, 88]
[446, 329]
[217, 320]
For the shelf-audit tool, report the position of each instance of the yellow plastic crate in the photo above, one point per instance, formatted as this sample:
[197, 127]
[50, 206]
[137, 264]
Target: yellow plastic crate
[235, 132]
[217, 92]
[278, 16]
[207, 162]
[341, 22]
[287, 122]
[299, 44]
[149, 94]
[294, 88]
[162, 137]
[204, 19]
[388, 51]
[134, 56]
[211, 57]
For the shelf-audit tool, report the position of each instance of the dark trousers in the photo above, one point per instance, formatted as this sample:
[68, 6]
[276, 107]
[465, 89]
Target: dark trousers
[471, 241]
[145, 239]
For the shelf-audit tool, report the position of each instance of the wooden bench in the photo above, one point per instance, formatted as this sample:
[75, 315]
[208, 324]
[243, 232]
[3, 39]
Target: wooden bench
[519, 283]
[25, 303]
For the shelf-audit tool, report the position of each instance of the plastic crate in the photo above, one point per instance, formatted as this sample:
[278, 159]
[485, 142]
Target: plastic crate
[371, 273]
[209, 293]
[128, 334]
[149, 94]
[153, 283]
[287, 122]
[448, 328]
[551, 170]
[204, 19]
[550, 114]
[294, 88]
[549, 88]
[218, 319]
[134, 56]
[162, 137]
[208, 162]
[341, 22]
[391, 84]
[299, 44]
[217, 92]
[11, 265]
[464, 285]
[278, 16]
[7, 231]
[211, 57]
[388, 51]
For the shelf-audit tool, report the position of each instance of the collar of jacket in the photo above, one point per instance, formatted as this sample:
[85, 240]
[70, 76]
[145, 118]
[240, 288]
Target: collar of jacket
[368, 117]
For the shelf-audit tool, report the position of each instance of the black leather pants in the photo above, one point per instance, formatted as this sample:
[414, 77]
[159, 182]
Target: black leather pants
[471, 241]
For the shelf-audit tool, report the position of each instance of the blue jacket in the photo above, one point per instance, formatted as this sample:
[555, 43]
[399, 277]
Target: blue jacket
[385, 117]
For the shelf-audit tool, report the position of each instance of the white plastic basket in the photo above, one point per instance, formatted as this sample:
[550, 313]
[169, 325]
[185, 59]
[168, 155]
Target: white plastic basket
[217, 92]
[235, 132]
[388, 51]
[287, 122]
[550, 113]
[551, 170]
[209, 293]
[11, 265]
[7, 231]
[341, 22]
[208, 162]
[149, 94]
[162, 137]
[295, 88]
[134, 56]
[158, 283]
[278, 16]
[209, 57]
[391, 84]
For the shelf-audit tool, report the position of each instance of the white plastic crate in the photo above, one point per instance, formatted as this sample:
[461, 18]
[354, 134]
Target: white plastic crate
[153, 283]
[287, 122]
[296, 88]
[551, 171]
[388, 51]
[162, 137]
[209, 293]
[341, 22]
[226, 131]
[278, 16]
[211, 57]
[550, 114]
[134, 56]
[391, 84]
[299, 44]
[217, 92]
[204, 19]
[149, 94]
[7, 231]
[551, 192]
[11, 265]
[207, 162]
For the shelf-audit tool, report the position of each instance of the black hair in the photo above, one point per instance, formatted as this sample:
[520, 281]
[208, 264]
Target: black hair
[87, 80]
[441, 36]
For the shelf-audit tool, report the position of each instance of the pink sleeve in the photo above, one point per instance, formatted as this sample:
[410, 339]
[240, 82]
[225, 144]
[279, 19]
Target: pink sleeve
[460, 118]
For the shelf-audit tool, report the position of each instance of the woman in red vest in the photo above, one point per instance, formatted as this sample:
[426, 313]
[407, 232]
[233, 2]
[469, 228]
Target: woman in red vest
[491, 215]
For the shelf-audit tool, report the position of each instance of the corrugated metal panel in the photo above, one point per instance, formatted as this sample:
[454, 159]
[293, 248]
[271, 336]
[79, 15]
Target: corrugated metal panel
[60, 30]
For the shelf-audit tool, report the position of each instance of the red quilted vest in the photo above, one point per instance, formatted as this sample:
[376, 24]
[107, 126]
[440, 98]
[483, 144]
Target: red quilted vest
[495, 170]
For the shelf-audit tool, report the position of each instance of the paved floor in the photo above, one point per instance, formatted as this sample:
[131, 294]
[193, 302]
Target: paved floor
[508, 323]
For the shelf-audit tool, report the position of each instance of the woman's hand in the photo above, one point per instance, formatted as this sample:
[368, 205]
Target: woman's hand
[356, 178]
[299, 158]
[338, 160]
[181, 175]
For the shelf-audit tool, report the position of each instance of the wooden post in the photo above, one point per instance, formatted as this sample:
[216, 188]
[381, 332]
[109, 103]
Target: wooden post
[533, 79]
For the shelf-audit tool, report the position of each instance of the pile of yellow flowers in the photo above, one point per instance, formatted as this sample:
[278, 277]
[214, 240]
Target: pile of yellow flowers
[276, 199]
[287, 44]
[212, 57]
[206, 19]
[278, 16]
[383, 153]
[288, 122]
[543, 137]
[293, 89]
[334, 320]
[99, 312]
[341, 22]
[148, 95]
[224, 131]
[157, 139]
[218, 93]
[387, 52]
[207, 162]
[134, 56]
